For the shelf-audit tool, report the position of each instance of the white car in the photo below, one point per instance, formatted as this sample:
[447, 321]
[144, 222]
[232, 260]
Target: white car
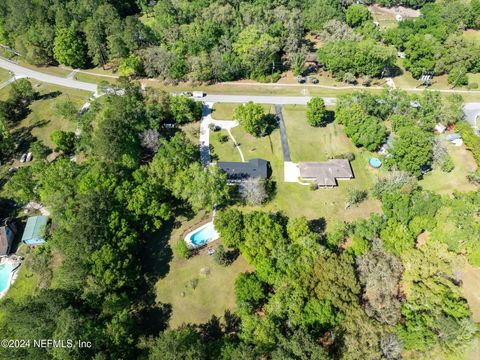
[29, 157]
[23, 158]
[198, 94]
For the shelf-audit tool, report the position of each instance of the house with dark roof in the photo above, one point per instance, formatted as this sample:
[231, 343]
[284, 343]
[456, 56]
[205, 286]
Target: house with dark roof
[7, 234]
[326, 174]
[34, 233]
[238, 171]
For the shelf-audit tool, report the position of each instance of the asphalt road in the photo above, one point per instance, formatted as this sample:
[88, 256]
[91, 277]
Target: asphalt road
[472, 110]
[263, 99]
[51, 79]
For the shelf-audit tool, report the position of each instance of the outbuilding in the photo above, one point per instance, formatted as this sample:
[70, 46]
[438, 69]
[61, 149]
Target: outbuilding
[34, 233]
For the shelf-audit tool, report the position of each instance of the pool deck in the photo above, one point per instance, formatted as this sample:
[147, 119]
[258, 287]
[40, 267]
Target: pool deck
[189, 235]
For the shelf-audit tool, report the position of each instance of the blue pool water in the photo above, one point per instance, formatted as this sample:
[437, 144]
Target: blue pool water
[374, 162]
[5, 270]
[202, 236]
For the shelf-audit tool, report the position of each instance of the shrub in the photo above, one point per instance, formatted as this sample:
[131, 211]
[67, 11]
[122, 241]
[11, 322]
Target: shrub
[356, 196]
[472, 86]
[222, 138]
[221, 256]
[448, 165]
[63, 140]
[182, 250]
[316, 112]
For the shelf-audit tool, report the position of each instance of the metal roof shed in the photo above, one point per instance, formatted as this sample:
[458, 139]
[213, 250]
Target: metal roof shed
[34, 232]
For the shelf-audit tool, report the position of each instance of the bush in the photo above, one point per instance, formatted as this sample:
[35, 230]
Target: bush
[221, 257]
[472, 86]
[313, 186]
[182, 250]
[63, 140]
[349, 156]
[317, 114]
[222, 138]
[458, 76]
[356, 196]
[448, 165]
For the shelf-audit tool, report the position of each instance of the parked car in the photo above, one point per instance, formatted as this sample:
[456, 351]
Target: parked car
[23, 158]
[198, 94]
[313, 79]
[29, 157]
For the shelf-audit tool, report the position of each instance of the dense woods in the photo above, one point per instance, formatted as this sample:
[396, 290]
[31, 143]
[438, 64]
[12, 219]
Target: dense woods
[227, 40]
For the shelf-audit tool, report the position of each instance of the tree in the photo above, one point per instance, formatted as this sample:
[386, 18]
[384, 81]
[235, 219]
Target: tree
[201, 187]
[182, 343]
[317, 114]
[185, 109]
[421, 54]
[150, 140]
[356, 15]
[321, 11]
[253, 118]
[364, 130]
[365, 57]
[249, 292]
[63, 140]
[21, 91]
[257, 50]
[221, 257]
[229, 224]
[379, 273]
[411, 151]
[458, 76]
[182, 250]
[70, 48]
[253, 191]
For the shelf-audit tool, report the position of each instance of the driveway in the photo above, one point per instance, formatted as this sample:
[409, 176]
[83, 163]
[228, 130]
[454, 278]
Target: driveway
[283, 133]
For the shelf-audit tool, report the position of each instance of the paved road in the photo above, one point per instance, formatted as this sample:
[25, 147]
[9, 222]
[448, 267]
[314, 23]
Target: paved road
[264, 99]
[57, 80]
[283, 133]
[472, 110]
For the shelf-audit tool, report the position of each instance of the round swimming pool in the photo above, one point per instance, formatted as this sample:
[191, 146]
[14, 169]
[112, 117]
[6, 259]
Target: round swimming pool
[375, 163]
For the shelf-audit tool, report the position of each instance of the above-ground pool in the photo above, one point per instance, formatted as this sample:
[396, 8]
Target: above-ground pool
[375, 163]
[5, 270]
[202, 235]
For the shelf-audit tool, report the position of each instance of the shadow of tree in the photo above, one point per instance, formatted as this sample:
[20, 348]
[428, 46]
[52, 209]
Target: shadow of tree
[50, 95]
[318, 225]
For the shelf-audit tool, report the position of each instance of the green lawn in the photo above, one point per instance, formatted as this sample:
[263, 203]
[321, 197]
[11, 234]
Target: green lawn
[43, 120]
[90, 78]
[446, 183]
[213, 294]
[4, 75]
[224, 150]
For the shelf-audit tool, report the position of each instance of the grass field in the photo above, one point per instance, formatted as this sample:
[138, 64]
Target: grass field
[472, 35]
[226, 149]
[80, 76]
[213, 293]
[446, 183]
[4, 75]
[43, 120]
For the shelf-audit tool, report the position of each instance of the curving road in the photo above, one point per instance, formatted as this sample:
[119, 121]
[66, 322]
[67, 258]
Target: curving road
[20, 71]
[472, 110]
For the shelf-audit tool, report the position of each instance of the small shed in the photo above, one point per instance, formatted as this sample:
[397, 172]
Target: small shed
[34, 233]
[452, 137]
